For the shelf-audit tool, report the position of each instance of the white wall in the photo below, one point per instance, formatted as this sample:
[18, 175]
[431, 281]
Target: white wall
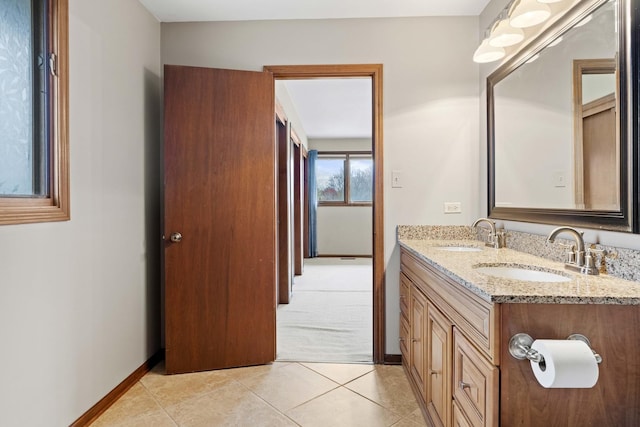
[624, 240]
[344, 230]
[283, 97]
[430, 103]
[79, 300]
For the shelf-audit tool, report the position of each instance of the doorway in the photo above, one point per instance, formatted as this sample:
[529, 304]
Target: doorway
[374, 73]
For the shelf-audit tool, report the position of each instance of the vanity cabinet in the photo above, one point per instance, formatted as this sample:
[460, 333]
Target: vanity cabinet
[458, 363]
[452, 350]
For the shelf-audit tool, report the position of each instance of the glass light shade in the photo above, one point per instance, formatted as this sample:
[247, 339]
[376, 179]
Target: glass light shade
[504, 35]
[487, 53]
[550, 1]
[529, 13]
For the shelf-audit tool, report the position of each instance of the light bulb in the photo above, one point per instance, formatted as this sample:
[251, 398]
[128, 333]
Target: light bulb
[504, 35]
[487, 53]
[528, 13]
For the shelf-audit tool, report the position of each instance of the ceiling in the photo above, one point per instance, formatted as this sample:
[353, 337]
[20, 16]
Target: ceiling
[328, 108]
[332, 108]
[250, 10]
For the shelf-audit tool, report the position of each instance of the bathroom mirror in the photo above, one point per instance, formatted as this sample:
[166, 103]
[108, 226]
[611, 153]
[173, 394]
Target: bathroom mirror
[559, 127]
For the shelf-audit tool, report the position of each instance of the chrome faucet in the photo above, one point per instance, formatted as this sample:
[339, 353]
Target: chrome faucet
[496, 238]
[577, 259]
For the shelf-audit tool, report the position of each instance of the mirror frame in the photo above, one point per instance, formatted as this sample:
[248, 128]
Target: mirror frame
[626, 217]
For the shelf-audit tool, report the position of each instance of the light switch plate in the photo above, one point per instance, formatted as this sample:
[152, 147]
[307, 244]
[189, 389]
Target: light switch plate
[559, 179]
[396, 179]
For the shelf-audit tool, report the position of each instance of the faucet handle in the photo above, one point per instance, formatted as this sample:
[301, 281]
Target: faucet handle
[570, 254]
[590, 262]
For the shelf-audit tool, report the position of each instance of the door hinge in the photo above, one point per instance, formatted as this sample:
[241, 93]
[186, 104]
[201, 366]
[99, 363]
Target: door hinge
[53, 65]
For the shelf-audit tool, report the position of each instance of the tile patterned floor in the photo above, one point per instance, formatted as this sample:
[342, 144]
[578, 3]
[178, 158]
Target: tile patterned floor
[280, 394]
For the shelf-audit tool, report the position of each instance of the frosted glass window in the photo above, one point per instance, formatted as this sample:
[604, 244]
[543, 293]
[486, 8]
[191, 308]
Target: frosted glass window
[34, 110]
[22, 147]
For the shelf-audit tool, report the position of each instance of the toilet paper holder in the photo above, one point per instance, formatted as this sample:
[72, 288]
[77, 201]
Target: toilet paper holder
[520, 347]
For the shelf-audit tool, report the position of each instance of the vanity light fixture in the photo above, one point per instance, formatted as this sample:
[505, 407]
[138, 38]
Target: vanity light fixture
[527, 13]
[504, 35]
[487, 53]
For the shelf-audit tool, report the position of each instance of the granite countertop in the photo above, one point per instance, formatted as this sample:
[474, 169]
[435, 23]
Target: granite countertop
[580, 289]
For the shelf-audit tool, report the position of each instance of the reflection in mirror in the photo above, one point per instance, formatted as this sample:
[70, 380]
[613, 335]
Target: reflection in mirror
[596, 135]
[557, 146]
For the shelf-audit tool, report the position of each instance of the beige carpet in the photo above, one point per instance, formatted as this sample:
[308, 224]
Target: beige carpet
[330, 317]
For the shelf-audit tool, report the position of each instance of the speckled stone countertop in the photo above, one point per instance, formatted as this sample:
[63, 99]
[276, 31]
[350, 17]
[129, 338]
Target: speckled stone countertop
[459, 266]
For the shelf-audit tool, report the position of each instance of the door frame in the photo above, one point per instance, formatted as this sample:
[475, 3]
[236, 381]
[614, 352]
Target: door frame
[373, 71]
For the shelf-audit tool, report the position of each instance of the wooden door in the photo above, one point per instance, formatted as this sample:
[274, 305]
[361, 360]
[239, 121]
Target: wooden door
[285, 265]
[600, 155]
[298, 207]
[219, 195]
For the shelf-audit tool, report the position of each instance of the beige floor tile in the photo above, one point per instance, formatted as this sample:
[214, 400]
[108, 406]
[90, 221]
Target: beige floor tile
[137, 403]
[154, 419]
[342, 408]
[415, 419]
[289, 386]
[172, 389]
[231, 405]
[388, 386]
[240, 374]
[340, 373]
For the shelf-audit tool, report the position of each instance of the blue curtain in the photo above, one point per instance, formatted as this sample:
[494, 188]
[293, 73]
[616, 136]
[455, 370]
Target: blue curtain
[313, 204]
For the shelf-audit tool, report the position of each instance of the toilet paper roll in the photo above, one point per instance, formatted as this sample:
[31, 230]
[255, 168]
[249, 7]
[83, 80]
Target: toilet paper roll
[567, 364]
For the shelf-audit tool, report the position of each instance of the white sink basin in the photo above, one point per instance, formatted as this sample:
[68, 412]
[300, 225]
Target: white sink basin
[459, 248]
[525, 273]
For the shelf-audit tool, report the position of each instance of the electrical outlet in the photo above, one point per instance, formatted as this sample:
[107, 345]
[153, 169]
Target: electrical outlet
[452, 207]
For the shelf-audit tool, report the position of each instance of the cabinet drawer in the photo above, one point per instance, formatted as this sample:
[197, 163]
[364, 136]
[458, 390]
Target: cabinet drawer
[475, 383]
[405, 285]
[479, 319]
[404, 341]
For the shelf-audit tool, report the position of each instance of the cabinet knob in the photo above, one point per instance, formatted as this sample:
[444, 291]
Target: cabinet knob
[463, 385]
[415, 339]
[433, 372]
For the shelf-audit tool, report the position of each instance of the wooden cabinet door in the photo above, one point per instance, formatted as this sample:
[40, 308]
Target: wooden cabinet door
[405, 333]
[438, 363]
[475, 383]
[417, 346]
[219, 218]
[459, 420]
